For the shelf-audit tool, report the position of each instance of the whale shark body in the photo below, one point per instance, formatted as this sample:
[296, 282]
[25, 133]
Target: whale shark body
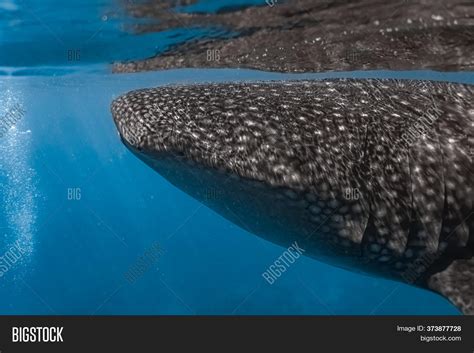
[374, 176]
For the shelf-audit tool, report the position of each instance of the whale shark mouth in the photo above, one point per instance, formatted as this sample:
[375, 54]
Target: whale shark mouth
[369, 175]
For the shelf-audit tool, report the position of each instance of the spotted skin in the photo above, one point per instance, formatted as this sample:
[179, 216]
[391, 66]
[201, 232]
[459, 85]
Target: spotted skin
[371, 175]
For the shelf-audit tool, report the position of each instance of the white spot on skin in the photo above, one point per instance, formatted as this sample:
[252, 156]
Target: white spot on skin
[315, 209]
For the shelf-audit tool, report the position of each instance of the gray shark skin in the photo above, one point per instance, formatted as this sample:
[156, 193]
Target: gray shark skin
[374, 176]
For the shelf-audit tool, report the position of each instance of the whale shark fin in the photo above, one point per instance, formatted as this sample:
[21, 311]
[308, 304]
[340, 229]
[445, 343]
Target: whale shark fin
[456, 283]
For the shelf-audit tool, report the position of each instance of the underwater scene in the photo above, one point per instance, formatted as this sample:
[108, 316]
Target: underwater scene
[236, 157]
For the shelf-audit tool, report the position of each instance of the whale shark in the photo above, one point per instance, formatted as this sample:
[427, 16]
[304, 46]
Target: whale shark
[373, 176]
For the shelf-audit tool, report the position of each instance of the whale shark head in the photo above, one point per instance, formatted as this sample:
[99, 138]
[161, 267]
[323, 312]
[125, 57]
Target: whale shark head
[233, 127]
[255, 154]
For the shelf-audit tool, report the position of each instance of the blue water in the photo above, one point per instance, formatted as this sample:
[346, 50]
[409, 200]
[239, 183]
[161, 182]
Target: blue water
[77, 251]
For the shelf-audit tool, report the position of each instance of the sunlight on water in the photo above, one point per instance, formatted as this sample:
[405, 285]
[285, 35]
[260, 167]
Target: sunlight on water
[18, 188]
[8, 5]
